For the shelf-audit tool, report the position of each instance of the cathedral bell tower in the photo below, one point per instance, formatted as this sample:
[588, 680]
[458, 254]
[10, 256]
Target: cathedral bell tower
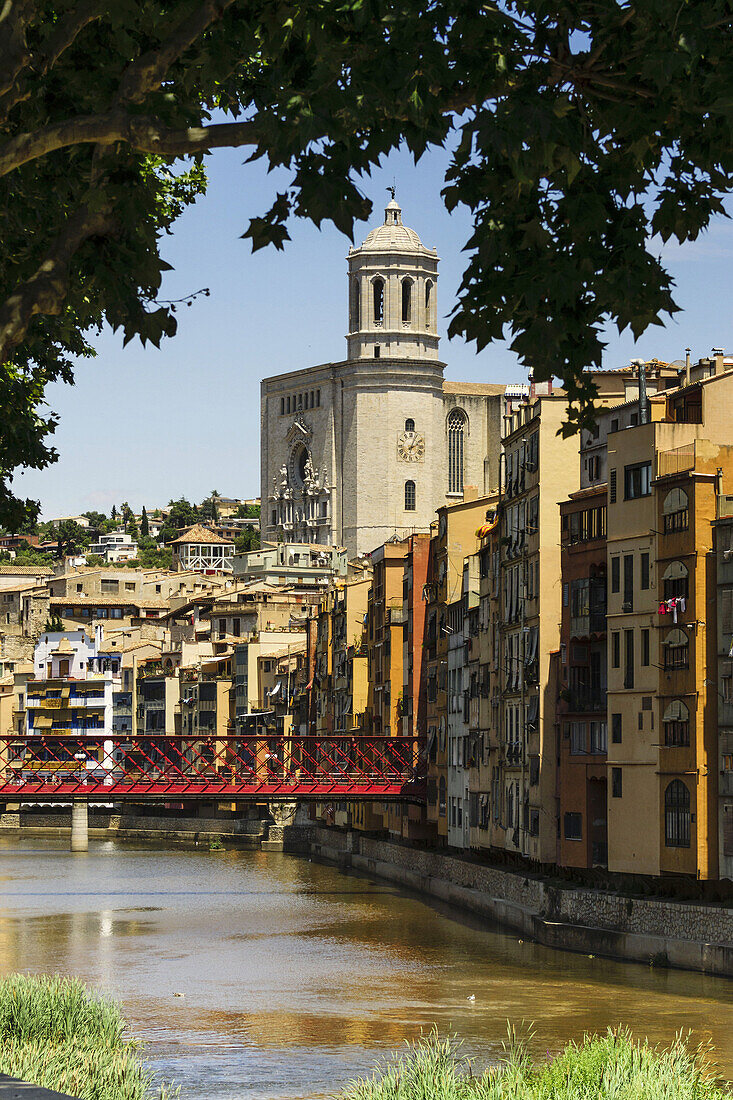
[392, 293]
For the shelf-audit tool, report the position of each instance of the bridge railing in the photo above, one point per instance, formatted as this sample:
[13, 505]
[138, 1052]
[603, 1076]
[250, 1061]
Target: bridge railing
[163, 765]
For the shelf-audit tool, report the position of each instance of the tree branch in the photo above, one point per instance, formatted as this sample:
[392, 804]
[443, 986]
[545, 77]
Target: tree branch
[146, 135]
[64, 36]
[45, 291]
[15, 15]
[146, 73]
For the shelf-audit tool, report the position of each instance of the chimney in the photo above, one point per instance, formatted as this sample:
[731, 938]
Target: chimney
[718, 354]
[687, 366]
[643, 400]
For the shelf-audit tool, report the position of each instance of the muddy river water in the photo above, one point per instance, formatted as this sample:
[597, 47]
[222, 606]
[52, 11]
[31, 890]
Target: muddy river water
[297, 978]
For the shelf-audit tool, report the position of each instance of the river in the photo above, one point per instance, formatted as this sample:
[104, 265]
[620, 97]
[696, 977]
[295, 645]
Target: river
[297, 978]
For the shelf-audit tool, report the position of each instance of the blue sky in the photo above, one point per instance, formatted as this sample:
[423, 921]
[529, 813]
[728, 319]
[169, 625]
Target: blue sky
[147, 425]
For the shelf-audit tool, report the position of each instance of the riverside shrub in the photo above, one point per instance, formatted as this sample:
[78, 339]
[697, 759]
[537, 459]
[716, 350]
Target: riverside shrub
[609, 1067]
[56, 1033]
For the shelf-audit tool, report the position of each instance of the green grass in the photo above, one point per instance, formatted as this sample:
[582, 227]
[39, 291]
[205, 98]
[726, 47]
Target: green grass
[55, 1032]
[609, 1067]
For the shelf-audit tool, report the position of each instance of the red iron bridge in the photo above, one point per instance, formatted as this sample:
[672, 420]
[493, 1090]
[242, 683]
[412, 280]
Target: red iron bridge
[237, 766]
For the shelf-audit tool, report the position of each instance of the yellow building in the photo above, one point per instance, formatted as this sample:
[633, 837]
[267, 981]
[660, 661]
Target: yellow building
[664, 477]
[453, 540]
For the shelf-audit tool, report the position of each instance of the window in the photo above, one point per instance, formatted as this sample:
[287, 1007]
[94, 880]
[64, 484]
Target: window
[318, 399]
[628, 603]
[676, 722]
[612, 487]
[598, 737]
[616, 729]
[615, 649]
[676, 647]
[614, 424]
[441, 796]
[428, 301]
[573, 826]
[637, 480]
[677, 815]
[616, 783]
[628, 658]
[577, 738]
[644, 584]
[409, 425]
[616, 574]
[282, 406]
[129, 586]
[377, 351]
[645, 647]
[676, 581]
[355, 306]
[675, 511]
[378, 290]
[273, 518]
[287, 403]
[456, 429]
[409, 496]
[594, 467]
[406, 301]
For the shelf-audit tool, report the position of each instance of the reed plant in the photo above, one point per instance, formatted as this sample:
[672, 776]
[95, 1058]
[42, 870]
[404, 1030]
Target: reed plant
[608, 1067]
[56, 1033]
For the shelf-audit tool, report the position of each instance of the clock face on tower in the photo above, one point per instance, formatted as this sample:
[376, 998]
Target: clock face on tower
[410, 447]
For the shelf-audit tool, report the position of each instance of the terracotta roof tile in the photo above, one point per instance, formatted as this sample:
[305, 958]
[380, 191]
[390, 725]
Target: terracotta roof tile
[199, 534]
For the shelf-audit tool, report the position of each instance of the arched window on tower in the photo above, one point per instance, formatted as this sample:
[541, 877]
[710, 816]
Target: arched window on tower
[409, 496]
[428, 302]
[677, 815]
[409, 425]
[456, 431]
[378, 301]
[355, 319]
[406, 301]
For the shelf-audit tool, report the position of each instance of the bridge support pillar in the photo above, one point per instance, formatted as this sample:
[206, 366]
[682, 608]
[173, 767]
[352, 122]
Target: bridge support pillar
[79, 825]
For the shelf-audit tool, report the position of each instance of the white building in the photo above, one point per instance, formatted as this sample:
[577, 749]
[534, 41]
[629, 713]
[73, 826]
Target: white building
[115, 547]
[293, 563]
[72, 692]
[202, 551]
[457, 792]
[355, 451]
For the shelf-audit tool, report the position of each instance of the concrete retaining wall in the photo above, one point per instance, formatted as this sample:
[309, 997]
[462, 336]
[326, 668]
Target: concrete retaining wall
[689, 936]
[177, 830]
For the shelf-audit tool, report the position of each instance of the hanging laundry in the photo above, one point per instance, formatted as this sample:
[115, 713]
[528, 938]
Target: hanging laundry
[662, 608]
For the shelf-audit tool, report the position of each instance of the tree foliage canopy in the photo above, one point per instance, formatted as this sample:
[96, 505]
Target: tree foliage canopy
[579, 130]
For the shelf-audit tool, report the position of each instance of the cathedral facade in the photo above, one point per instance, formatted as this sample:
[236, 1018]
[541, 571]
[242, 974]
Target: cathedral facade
[357, 451]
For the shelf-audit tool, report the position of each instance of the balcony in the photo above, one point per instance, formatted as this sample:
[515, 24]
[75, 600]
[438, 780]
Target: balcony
[586, 701]
[582, 626]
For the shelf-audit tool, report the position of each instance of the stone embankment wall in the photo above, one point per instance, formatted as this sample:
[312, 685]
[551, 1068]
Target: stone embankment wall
[649, 930]
[181, 830]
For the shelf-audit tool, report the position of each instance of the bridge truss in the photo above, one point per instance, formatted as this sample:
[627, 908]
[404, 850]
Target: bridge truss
[236, 766]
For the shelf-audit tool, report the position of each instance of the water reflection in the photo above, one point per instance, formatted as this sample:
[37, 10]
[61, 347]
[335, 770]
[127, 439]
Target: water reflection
[296, 978]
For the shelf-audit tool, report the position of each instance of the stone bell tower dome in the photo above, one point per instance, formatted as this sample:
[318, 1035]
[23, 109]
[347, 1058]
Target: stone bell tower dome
[392, 293]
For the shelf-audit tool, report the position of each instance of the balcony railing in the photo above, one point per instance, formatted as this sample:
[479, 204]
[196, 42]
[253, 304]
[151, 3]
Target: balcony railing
[583, 625]
[587, 701]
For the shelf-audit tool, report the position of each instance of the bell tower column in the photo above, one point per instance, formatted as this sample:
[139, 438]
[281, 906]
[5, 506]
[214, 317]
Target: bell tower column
[392, 290]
